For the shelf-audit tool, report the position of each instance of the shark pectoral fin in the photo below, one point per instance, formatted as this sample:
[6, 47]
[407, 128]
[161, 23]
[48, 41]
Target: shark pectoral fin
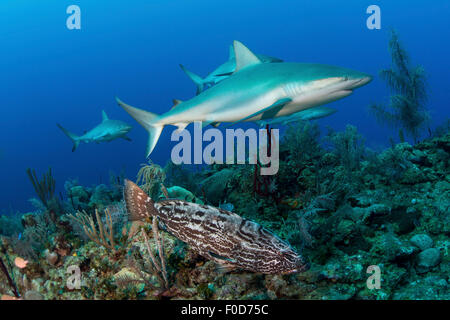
[273, 110]
[244, 57]
[210, 122]
[75, 146]
[269, 112]
[176, 102]
[181, 126]
[100, 136]
[126, 138]
[226, 74]
[104, 116]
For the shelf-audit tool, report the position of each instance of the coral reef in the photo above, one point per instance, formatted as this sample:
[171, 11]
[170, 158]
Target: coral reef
[343, 206]
[149, 177]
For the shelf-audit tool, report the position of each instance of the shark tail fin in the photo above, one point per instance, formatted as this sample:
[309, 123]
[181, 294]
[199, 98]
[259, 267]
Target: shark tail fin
[199, 82]
[75, 139]
[148, 121]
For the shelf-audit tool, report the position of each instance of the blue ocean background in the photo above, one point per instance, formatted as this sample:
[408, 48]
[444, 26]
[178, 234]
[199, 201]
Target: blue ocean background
[49, 74]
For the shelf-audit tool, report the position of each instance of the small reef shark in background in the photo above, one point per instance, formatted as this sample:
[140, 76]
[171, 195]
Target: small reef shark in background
[216, 234]
[106, 131]
[308, 114]
[223, 71]
[255, 91]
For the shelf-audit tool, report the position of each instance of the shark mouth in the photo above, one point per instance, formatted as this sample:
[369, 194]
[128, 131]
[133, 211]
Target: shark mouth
[360, 82]
[349, 86]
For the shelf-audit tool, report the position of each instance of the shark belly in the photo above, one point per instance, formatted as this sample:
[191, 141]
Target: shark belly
[224, 107]
[244, 107]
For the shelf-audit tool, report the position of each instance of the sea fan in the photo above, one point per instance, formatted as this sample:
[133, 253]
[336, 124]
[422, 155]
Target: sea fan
[409, 94]
[149, 177]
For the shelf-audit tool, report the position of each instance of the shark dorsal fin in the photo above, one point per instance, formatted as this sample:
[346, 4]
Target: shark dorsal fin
[231, 54]
[244, 57]
[104, 116]
[176, 102]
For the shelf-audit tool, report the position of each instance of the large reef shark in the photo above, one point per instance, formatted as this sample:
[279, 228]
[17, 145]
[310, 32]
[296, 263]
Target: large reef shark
[223, 71]
[305, 115]
[255, 91]
[106, 131]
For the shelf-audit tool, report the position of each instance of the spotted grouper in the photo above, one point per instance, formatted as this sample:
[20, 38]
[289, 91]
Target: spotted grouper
[216, 234]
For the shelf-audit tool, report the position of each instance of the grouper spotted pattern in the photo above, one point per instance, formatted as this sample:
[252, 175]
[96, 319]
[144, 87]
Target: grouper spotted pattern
[216, 234]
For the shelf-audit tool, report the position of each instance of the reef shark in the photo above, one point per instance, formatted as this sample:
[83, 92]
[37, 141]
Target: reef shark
[255, 91]
[106, 131]
[223, 71]
[309, 114]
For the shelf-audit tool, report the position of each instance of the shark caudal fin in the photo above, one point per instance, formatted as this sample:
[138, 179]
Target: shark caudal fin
[75, 139]
[199, 82]
[147, 120]
[139, 205]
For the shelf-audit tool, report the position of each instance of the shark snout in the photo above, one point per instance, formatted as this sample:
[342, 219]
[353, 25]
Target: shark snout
[126, 129]
[359, 81]
[363, 81]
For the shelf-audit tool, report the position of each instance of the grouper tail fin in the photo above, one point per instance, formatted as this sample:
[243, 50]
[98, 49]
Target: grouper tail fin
[199, 82]
[139, 205]
[148, 121]
[75, 139]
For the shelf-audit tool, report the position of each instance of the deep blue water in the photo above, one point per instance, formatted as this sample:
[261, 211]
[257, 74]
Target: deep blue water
[132, 49]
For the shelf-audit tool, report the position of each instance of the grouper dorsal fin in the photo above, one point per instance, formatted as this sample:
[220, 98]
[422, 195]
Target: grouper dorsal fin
[104, 116]
[244, 57]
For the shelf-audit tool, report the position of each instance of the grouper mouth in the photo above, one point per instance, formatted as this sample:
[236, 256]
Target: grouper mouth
[290, 272]
[302, 268]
